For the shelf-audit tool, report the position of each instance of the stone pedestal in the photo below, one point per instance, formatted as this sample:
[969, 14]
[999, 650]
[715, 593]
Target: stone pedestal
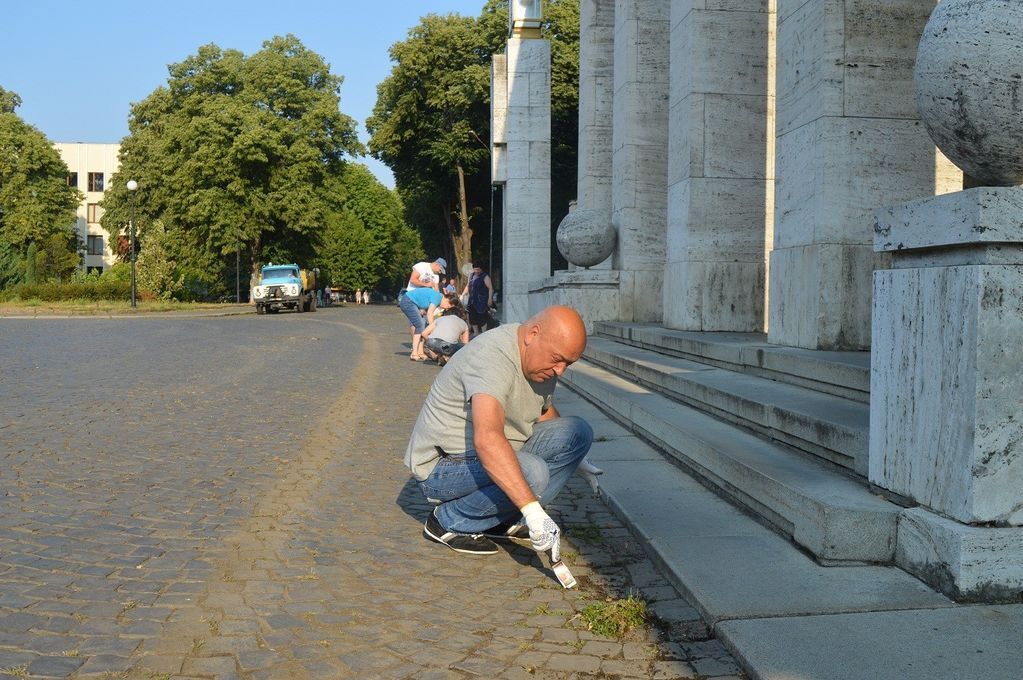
[594, 293]
[720, 166]
[848, 140]
[946, 428]
[523, 162]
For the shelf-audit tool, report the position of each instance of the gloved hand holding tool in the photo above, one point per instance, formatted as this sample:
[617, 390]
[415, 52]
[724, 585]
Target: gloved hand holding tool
[545, 535]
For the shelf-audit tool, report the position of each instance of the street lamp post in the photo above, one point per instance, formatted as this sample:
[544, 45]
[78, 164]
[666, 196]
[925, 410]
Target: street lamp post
[132, 186]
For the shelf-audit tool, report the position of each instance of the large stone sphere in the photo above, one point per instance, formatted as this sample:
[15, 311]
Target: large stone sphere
[586, 237]
[969, 85]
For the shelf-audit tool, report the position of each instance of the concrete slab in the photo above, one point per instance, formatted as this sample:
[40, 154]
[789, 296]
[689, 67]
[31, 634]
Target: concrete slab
[756, 576]
[965, 643]
[830, 514]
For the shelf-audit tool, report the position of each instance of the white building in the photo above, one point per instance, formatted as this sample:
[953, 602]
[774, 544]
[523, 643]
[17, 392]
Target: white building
[90, 168]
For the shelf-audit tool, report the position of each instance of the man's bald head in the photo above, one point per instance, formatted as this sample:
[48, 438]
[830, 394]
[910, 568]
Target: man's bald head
[550, 342]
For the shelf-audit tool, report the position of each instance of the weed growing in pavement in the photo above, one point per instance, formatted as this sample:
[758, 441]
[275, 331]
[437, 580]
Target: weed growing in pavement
[70, 652]
[588, 533]
[614, 618]
[17, 671]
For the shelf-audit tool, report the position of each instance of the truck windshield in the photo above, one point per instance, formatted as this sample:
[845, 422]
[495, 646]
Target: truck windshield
[280, 274]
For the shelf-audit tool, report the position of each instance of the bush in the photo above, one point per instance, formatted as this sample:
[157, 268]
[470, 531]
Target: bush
[100, 289]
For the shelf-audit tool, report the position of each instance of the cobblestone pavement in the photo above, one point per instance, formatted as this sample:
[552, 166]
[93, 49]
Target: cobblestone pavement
[224, 497]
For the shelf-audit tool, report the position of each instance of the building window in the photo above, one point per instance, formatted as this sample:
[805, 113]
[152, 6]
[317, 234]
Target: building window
[90, 213]
[95, 245]
[98, 270]
[72, 179]
[95, 181]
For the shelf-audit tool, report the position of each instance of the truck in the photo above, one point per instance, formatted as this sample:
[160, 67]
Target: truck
[285, 286]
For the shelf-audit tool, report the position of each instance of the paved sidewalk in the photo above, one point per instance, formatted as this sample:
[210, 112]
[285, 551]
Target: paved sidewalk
[228, 553]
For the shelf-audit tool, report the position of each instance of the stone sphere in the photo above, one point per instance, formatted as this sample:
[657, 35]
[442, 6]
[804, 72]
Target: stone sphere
[586, 237]
[969, 86]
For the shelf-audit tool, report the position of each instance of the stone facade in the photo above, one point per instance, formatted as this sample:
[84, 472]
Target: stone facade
[720, 166]
[521, 89]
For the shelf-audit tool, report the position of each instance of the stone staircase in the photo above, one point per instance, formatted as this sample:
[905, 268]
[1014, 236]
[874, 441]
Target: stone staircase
[780, 431]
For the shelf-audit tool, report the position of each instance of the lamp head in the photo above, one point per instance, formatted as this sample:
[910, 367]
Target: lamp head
[525, 18]
[132, 185]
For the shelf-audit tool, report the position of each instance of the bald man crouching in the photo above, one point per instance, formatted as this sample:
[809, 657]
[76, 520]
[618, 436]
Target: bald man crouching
[489, 447]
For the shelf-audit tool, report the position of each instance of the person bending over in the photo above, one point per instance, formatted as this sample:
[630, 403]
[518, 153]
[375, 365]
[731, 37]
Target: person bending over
[447, 333]
[489, 446]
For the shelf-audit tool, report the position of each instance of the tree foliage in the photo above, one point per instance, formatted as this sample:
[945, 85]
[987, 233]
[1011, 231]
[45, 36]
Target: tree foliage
[431, 122]
[156, 270]
[236, 150]
[431, 118]
[36, 203]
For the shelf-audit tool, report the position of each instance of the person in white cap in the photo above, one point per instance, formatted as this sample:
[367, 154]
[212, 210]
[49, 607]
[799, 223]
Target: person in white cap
[424, 275]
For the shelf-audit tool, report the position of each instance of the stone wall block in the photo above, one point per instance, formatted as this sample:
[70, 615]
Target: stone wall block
[968, 563]
[810, 58]
[735, 136]
[704, 296]
[802, 278]
[683, 7]
[879, 83]
[947, 432]
[723, 53]
[686, 138]
[833, 174]
[721, 220]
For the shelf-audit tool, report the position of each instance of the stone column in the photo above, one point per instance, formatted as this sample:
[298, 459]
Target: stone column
[720, 165]
[848, 140]
[945, 388]
[596, 93]
[526, 159]
[640, 159]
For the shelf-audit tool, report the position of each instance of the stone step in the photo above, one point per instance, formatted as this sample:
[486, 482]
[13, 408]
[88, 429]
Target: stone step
[824, 425]
[843, 374]
[833, 516]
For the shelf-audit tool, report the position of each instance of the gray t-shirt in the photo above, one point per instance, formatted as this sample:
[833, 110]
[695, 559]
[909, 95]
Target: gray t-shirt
[448, 328]
[491, 365]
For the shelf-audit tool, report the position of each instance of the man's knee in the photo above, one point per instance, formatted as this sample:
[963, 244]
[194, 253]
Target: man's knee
[581, 431]
[536, 472]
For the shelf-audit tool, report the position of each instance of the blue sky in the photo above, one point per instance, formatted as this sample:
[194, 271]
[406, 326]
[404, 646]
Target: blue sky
[79, 65]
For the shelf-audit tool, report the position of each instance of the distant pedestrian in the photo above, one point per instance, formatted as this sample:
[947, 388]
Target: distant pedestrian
[479, 294]
[449, 287]
[365, 297]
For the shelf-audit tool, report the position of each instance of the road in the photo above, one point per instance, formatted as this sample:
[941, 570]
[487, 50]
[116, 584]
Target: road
[223, 497]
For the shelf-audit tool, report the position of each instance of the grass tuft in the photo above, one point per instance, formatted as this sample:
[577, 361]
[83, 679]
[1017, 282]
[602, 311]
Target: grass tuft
[615, 618]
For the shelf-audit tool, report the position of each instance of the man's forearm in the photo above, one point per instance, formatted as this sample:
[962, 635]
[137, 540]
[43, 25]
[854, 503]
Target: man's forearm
[502, 466]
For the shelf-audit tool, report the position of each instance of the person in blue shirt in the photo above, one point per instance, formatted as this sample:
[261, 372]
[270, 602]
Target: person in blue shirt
[419, 314]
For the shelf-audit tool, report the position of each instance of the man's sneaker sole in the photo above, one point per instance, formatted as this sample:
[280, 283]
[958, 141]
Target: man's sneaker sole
[469, 544]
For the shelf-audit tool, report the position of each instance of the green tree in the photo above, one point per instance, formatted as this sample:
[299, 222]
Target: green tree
[431, 123]
[59, 257]
[35, 199]
[367, 242]
[155, 269]
[236, 150]
[31, 263]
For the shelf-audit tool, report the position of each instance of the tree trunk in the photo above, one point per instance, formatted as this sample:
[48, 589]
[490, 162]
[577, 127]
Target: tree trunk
[461, 241]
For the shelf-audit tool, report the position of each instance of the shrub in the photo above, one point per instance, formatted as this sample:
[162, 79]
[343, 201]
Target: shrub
[87, 290]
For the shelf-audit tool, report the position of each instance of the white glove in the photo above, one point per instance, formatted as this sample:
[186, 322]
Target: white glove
[544, 534]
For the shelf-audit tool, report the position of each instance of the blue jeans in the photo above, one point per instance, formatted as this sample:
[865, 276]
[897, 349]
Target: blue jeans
[411, 310]
[471, 503]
